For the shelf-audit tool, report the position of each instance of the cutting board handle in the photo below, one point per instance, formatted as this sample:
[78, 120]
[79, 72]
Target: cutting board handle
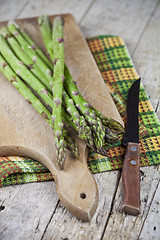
[75, 184]
[76, 187]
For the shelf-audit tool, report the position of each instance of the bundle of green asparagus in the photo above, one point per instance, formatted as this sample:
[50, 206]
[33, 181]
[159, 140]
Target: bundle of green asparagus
[50, 88]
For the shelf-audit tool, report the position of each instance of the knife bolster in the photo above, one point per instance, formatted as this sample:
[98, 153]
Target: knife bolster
[131, 180]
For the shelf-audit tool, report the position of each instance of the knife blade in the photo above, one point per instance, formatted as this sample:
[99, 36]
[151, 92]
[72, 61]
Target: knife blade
[131, 165]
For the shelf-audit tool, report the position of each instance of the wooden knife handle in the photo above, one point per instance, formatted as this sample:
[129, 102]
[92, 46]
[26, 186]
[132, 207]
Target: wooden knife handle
[131, 180]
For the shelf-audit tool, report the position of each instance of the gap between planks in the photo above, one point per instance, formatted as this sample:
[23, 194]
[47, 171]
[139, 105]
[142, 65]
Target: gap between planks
[148, 209]
[22, 9]
[87, 10]
[112, 204]
[58, 202]
[149, 20]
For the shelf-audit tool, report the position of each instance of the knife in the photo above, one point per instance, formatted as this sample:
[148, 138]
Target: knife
[131, 165]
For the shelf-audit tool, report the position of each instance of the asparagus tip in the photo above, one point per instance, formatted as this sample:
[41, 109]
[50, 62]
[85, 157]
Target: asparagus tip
[12, 22]
[42, 19]
[59, 18]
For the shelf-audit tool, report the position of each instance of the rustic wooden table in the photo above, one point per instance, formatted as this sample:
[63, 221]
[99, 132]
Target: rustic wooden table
[33, 211]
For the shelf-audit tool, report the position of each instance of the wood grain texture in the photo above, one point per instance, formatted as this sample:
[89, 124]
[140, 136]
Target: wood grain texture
[26, 206]
[64, 225]
[11, 9]
[151, 228]
[76, 7]
[25, 214]
[101, 17]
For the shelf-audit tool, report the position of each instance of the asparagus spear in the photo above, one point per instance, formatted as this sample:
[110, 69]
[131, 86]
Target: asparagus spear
[21, 54]
[46, 30]
[24, 72]
[110, 136]
[18, 67]
[109, 122]
[70, 144]
[83, 130]
[23, 89]
[38, 72]
[57, 88]
[34, 101]
[33, 45]
[45, 26]
[85, 109]
[31, 53]
[31, 42]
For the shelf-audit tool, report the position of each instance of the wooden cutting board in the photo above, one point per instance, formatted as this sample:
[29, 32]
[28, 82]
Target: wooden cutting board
[24, 132]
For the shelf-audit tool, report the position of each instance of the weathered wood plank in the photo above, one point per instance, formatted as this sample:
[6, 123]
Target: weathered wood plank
[151, 228]
[40, 7]
[25, 210]
[64, 225]
[122, 226]
[32, 210]
[147, 59]
[11, 9]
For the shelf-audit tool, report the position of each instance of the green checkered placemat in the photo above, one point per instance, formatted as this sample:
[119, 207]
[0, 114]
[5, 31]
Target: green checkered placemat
[118, 72]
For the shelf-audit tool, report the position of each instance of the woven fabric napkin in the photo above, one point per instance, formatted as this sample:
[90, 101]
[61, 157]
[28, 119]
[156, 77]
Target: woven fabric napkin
[118, 72]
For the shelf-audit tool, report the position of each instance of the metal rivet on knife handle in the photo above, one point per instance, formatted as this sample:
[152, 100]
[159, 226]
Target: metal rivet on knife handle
[133, 162]
[133, 149]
